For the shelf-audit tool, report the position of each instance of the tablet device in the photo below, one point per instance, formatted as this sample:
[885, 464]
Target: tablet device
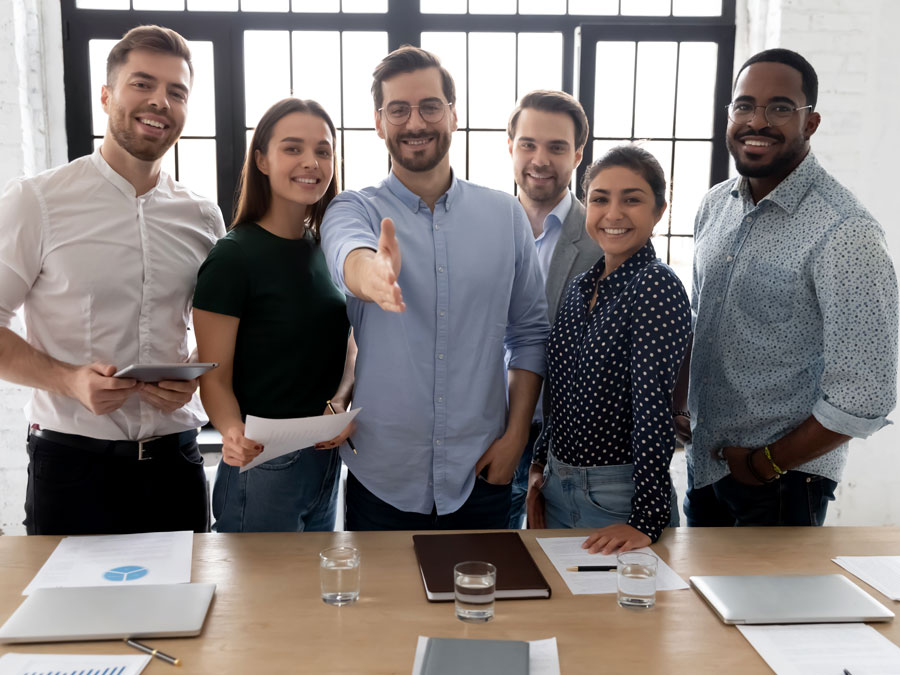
[109, 613]
[831, 598]
[165, 371]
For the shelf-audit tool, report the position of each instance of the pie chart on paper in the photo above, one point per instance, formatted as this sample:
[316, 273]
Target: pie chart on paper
[126, 573]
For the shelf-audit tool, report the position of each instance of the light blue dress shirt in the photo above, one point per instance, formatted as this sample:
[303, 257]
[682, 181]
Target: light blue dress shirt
[795, 314]
[431, 381]
[546, 241]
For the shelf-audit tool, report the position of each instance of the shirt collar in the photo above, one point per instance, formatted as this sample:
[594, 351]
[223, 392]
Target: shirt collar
[620, 276]
[560, 212]
[119, 181]
[789, 192]
[414, 202]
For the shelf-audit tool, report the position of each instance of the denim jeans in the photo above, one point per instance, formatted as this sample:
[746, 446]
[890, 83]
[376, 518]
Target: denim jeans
[296, 492]
[797, 498]
[520, 480]
[593, 496]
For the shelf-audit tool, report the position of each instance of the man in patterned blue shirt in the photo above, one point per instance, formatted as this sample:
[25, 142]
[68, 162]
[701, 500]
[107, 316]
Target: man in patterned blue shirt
[795, 315]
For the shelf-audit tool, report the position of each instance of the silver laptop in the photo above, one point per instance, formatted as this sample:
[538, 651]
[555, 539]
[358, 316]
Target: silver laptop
[831, 598]
[109, 612]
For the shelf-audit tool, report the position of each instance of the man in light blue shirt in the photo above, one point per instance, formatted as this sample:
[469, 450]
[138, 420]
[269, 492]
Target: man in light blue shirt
[795, 316]
[437, 447]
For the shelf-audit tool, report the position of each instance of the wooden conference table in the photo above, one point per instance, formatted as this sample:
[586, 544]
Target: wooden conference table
[267, 616]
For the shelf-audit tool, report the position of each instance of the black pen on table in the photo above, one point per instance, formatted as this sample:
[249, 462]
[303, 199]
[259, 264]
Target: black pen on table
[847, 672]
[152, 652]
[591, 568]
[333, 412]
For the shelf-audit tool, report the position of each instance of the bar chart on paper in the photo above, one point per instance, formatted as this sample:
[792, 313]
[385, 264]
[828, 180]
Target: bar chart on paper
[72, 664]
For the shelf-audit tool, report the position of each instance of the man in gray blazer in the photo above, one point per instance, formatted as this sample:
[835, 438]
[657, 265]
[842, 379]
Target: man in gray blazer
[547, 132]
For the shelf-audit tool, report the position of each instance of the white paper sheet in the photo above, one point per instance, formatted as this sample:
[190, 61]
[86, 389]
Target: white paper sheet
[116, 559]
[824, 649]
[543, 657]
[280, 437]
[567, 552]
[881, 572]
[72, 664]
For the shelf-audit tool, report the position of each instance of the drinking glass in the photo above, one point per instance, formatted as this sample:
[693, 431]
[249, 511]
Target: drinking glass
[339, 574]
[474, 585]
[636, 579]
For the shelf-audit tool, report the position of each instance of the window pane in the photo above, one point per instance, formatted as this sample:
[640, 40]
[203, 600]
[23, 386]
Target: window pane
[542, 6]
[614, 84]
[212, 5]
[197, 166]
[697, 8]
[492, 89]
[316, 5]
[364, 6]
[362, 52]
[450, 48]
[646, 7]
[540, 62]
[692, 169]
[264, 5]
[604, 146]
[267, 70]
[201, 119]
[489, 162]
[168, 162]
[492, 7]
[443, 6]
[593, 7]
[322, 82]
[677, 252]
[458, 154]
[662, 150]
[159, 5]
[655, 99]
[102, 4]
[696, 90]
[98, 50]
[365, 159]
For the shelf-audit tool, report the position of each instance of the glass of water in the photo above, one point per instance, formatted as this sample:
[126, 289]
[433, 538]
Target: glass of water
[339, 574]
[636, 579]
[474, 585]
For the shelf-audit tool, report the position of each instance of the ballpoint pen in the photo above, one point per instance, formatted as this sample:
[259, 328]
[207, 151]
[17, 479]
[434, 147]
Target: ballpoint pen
[152, 652]
[333, 412]
[591, 568]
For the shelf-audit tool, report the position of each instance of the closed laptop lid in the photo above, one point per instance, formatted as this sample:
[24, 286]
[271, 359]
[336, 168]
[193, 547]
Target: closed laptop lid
[831, 598]
[109, 612]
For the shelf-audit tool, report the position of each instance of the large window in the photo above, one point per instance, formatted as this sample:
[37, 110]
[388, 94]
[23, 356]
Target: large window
[654, 71]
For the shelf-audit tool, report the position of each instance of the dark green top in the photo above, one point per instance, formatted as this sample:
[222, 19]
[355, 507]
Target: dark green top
[292, 337]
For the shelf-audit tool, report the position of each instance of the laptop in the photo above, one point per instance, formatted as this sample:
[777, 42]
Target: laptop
[831, 598]
[109, 612]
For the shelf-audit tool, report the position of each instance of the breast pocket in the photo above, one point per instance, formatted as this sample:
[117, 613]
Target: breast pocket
[767, 292]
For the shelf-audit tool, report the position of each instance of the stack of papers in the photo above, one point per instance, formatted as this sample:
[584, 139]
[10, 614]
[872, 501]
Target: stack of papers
[280, 437]
[881, 572]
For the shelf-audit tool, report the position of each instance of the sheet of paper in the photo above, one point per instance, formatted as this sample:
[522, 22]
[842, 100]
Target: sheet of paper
[117, 559]
[280, 437]
[567, 552]
[543, 657]
[881, 572]
[824, 649]
[72, 664]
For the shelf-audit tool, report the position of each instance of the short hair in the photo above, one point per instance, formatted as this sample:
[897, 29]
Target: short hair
[809, 81]
[555, 102]
[152, 38]
[637, 159]
[408, 59]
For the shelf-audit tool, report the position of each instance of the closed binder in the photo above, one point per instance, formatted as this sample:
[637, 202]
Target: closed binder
[449, 656]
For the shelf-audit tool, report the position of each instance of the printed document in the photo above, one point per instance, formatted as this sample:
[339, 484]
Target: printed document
[66, 664]
[824, 649]
[118, 560]
[280, 437]
[567, 552]
[881, 572]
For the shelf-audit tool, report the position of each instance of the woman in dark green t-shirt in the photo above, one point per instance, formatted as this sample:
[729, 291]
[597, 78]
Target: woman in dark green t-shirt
[266, 310]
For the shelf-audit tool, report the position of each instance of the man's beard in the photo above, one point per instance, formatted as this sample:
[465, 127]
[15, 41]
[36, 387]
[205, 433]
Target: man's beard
[420, 161]
[790, 155]
[140, 148]
[547, 193]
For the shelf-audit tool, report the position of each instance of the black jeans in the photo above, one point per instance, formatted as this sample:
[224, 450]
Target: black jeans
[72, 491]
[797, 498]
[487, 508]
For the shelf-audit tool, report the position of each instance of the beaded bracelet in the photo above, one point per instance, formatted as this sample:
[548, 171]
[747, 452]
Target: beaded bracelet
[778, 470]
[754, 472]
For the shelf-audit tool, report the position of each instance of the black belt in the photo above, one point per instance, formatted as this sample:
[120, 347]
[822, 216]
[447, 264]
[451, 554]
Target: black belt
[140, 450]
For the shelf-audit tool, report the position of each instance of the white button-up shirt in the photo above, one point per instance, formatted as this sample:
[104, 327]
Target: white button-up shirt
[105, 275]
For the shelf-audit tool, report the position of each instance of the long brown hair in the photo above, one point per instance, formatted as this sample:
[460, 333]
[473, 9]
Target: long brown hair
[254, 195]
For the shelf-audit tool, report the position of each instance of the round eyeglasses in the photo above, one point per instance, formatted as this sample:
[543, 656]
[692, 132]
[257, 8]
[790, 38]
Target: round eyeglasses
[777, 114]
[430, 111]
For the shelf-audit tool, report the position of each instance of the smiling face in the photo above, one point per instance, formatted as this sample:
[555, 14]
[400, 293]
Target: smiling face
[147, 103]
[544, 154]
[299, 159]
[621, 212]
[416, 145]
[761, 150]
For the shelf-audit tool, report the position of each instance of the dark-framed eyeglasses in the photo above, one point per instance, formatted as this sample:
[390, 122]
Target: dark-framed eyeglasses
[430, 111]
[777, 114]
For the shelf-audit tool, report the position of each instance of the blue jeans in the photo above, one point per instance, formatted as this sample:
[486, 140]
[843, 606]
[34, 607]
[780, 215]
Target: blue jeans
[296, 492]
[594, 496]
[797, 498]
[520, 480]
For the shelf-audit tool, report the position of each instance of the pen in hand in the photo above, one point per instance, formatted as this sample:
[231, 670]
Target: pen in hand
[349, 440]
[153, 652]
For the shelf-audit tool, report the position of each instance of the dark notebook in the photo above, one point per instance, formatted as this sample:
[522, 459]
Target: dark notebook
[449, 656]
[517, 574]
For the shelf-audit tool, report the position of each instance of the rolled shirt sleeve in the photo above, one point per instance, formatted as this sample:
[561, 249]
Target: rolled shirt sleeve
[347, 226]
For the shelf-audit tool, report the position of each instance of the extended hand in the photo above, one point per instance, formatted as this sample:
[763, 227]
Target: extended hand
[501, 460]
[534, 500]
[97, 390]
[237, 450]
[380, 281]
[615, 538]
[169, 395]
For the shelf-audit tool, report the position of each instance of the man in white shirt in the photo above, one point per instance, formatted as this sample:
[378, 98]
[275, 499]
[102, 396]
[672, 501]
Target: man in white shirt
[104, 252]
[547, 132]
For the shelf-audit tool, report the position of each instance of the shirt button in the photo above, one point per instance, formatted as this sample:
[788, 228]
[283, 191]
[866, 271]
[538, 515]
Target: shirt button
[441, 270]
[437, 442]
[437, 227]
[440, 399]
[442, 312]
[729, 258]
[441, 357]
[748, 219]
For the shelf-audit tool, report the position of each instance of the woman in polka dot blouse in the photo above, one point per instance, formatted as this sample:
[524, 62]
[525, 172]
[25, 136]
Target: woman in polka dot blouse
[613, 355]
